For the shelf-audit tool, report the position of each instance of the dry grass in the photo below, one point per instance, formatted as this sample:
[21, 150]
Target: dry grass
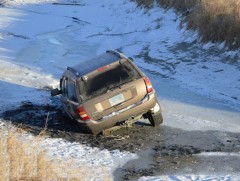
[145, 3]
[215, 20]
[179, 5]
[16, 162]
[28, 161]
[23, 161]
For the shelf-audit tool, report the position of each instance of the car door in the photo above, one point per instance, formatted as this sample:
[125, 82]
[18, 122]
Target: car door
[69, 96]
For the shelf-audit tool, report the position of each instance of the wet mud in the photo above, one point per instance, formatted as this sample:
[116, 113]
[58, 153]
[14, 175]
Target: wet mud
[163, 150]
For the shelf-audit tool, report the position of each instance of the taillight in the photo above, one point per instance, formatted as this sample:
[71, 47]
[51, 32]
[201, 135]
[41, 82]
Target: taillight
[82, 113]
[148, 85]
[102, 68]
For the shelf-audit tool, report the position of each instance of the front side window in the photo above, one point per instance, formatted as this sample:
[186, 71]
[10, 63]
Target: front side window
[63, 86]
[69, 89]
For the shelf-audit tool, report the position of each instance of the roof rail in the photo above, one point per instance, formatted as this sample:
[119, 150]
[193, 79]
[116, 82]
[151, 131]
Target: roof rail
[120, 55]
[73, 71]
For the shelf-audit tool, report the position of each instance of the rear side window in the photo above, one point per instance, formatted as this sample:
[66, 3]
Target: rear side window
[69, 89]
[108, 80]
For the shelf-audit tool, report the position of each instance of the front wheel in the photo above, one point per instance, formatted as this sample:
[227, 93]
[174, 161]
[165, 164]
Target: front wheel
[154, 119]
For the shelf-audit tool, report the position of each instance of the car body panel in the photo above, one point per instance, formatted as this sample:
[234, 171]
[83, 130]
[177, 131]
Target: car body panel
[96, 126]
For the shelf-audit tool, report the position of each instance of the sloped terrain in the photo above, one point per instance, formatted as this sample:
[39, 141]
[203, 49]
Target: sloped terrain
[197, 85]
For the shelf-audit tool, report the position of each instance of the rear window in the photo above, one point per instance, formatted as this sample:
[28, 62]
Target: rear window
[108, 79]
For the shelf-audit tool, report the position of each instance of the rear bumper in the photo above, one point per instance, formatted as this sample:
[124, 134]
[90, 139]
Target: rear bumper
[133, 111]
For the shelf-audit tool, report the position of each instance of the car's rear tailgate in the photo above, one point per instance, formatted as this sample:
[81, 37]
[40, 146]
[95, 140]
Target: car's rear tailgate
[117, 99]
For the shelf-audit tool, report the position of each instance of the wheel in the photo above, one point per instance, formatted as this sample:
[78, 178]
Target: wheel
[155, 119]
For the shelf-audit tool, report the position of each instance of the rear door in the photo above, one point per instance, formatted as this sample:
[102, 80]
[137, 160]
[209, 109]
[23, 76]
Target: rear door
[115, 88]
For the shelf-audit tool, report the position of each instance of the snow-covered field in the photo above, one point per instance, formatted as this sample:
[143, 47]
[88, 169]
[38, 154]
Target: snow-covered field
[198, 85]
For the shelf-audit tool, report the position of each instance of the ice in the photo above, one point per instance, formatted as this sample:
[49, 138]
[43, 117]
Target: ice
[198, 85]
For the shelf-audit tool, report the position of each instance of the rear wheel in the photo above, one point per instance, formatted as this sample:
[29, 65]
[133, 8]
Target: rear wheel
[155, 119]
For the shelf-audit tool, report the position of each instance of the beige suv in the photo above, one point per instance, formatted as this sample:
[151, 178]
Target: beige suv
[106, 91]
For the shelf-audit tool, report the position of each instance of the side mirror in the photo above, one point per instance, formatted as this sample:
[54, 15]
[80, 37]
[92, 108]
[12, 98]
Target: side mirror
[55, 92]
[130, 58]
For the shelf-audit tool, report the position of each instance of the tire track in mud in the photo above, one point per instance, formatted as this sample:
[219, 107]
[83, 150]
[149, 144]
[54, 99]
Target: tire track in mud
[161, 151]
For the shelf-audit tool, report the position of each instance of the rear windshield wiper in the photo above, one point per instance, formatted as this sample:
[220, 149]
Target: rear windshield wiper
[112, 87]
[119, 85]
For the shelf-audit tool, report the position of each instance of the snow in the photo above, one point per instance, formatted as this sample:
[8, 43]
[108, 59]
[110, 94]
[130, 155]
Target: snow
[102, 162]
[202, 177]
[219, 154]
[98, 164]
[198, 85]
[24, 2]
[191, 178]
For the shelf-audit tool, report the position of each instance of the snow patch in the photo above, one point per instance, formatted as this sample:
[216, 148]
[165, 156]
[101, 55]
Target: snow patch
[190, 178]
[25, 2]
[219, 154]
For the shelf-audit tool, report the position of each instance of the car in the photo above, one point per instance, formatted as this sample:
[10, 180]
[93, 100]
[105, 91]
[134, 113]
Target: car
[106, 91]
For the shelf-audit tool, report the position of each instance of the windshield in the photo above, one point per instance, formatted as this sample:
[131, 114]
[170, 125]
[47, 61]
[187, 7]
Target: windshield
[108, 80]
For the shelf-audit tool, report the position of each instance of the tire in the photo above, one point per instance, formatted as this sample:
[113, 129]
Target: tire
[155, 119]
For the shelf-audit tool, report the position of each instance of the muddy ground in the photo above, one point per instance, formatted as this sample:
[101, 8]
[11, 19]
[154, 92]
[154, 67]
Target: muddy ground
[161, 151]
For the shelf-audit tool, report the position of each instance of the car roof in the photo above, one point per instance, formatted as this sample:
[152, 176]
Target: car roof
[92, 64]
